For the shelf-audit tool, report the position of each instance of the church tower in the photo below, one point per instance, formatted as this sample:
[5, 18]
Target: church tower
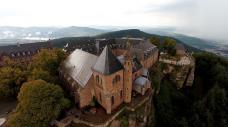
[128, 74]
[108, 73]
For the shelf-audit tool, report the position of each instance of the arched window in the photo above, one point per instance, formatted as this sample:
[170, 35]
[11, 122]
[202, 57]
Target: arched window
[100, 79]
[97, 79]
[100, 97]
[116, 79]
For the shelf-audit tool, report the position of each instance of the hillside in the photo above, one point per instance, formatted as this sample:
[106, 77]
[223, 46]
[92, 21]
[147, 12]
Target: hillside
[134, 33]
[42, 33]
[74, 31]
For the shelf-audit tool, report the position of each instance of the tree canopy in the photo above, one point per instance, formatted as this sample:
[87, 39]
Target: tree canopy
[39, 104]
[10, 81]
[45, 65]
[169, 46]
[202, 105]
[156, 41]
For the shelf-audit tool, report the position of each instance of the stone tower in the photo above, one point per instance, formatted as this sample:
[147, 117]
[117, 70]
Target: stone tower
[128, 74]
[108, 73]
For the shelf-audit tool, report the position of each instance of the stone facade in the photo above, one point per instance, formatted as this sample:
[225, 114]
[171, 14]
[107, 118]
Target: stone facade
[108, 90]
[111, 82]
[22, 53]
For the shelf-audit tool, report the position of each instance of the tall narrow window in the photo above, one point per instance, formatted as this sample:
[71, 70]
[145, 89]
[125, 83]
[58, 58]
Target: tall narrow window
[121, 94]
[113, 100]
[100, 98]
[118, 78]
[100, 81]
[97, 79]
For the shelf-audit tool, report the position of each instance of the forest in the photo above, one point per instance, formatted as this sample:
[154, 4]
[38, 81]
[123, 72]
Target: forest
[202, 105]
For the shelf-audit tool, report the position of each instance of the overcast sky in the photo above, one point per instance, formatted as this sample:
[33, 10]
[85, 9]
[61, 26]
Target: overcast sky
[204, 18]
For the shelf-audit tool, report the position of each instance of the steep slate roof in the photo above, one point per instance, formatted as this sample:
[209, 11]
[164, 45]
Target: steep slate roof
[107, 63]
[78, 66]
[136, 63]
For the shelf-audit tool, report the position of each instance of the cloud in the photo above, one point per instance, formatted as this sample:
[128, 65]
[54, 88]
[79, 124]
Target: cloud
[204, 18]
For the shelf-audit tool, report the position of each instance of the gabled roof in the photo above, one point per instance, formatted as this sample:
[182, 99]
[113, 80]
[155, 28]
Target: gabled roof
[78, 65]
[107, 63]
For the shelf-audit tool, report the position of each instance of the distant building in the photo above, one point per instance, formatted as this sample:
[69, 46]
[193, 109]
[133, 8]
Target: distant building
[22, 52]
[115, 69]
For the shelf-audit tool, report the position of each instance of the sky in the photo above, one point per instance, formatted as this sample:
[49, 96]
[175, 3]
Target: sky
[203, 18]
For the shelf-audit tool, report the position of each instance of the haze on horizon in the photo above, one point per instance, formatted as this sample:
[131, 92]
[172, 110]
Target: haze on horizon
[202, 18]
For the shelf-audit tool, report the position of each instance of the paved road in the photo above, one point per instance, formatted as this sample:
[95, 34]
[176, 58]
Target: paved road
[6, 107]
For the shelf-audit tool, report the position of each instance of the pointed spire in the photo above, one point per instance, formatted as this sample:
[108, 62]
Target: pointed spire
[107, 63]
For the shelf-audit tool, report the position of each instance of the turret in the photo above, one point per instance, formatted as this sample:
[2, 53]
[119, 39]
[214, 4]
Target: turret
[128, 74]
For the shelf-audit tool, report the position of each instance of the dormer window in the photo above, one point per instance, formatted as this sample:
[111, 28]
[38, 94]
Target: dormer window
[12, 54]
[23, 53]
[18, 54]
[29, 52]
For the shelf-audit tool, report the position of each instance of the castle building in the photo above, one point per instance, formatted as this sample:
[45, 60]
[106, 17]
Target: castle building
[22, 53]
[111, 74]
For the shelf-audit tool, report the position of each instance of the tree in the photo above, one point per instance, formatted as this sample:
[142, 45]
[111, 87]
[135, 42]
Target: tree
[39, 104]
[38, 73]
[46, 63]
[169, 46]
[155, 40]
[11, 80]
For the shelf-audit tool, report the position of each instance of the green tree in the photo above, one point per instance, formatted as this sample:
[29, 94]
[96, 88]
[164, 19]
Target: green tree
[45, 65]
[11, 80]
[169, 46]
[39, 104]
[156, 41]
[38, 73]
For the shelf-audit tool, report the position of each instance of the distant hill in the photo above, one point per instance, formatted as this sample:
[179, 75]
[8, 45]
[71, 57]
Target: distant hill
[189, 40]
[44, 33]
[76, 32]
[134, 33]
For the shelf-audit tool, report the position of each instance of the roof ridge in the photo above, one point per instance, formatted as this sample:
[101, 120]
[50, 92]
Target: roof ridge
[107, 63]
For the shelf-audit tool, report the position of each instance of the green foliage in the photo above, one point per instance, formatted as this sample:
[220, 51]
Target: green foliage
[48, 60]
[156, 76]
[45, 65]
[156, 41]
[170, 106]
[202, 105]
[169, 46]
[39, 104]
[10, 81]
[38, 73]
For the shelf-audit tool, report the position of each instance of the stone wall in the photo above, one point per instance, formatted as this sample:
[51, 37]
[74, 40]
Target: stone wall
[107, 90]
[86, 94]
